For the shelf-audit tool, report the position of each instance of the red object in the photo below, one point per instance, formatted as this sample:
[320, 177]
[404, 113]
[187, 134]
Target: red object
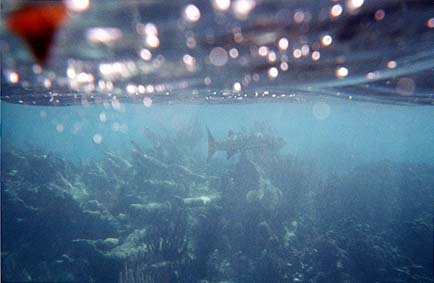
[37, 25]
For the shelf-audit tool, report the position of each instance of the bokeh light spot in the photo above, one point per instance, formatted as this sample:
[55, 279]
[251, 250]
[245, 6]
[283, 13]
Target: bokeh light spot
[263, 51]
[405, 86]
[221, 5]
[283, 43]
[336, 10]
[13, 77]
[191, 13]
[273, 72]
[379, 15]
[341, 72]
[145, 54]
[77, 5]
[355, 4]
[316, 55]
[218, 56]
[237, 87]
[152, 41]
[296, 53]
[242, 8]
[392, 64]
[430, 23]
[326, 40]
[233, 53]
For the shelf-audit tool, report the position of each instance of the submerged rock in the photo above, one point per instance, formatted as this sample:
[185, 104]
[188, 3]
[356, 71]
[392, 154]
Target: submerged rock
[170, 223]
[133, 245]
[108, 243]
[94, 205]
[199, 201]
[162, 189]
[267, 196]
[151, 207]
[182, 172]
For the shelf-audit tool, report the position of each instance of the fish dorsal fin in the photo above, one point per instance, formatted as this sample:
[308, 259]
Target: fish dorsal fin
[230, 153]
[212, 144]
[231, 133]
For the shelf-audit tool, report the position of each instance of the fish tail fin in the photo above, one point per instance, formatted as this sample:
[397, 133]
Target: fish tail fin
[212, 144]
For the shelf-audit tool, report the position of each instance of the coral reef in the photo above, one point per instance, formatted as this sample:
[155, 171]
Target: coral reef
[145, 217]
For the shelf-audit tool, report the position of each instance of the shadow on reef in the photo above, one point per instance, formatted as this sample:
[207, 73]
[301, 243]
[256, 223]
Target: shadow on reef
[268, 217]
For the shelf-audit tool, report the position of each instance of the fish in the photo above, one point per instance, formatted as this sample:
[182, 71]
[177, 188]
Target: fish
[240, 142]
[37, 24]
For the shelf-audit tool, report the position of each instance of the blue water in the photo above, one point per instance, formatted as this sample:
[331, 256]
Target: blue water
[351, 130]
[349, 198]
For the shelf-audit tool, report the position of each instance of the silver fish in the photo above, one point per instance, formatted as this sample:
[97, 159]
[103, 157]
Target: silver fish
[241, 142]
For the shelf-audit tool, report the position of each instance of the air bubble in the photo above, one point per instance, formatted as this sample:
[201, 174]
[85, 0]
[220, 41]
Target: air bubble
[97, 138]
[147, 101]
[321, 110]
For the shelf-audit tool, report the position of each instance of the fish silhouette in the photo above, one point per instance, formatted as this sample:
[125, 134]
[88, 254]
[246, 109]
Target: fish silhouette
[240, 142]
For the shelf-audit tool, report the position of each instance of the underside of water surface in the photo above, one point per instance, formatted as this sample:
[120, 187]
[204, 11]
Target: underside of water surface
[221, 141]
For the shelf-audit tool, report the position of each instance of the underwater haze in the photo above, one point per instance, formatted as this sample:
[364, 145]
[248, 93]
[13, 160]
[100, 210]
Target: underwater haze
[221, 142]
